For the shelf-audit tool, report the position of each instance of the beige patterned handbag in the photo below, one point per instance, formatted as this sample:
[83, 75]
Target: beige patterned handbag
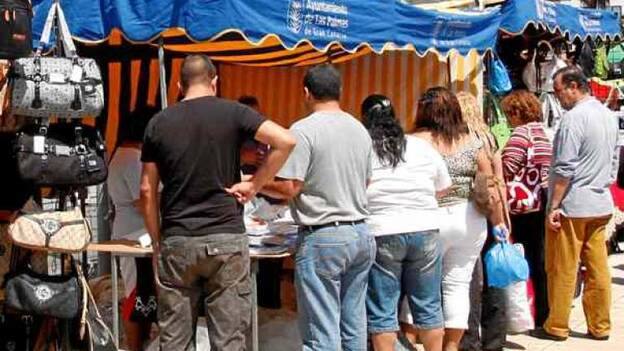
[66, 231]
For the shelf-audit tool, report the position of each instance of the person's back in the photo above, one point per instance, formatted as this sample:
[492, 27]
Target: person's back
[194, 148]
[335, 184]
[325, 177]
[198, 143]
[123, 187]
[462, 166]
[406, 193]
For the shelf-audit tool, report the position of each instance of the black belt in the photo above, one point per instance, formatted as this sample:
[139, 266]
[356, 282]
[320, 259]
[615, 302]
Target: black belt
[331, 224]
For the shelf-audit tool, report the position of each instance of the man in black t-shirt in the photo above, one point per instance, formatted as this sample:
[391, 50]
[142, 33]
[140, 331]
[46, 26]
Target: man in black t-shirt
[201, 250]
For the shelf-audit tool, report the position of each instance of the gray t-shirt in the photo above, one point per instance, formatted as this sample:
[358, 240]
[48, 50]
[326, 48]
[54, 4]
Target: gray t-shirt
[584, 152]
[333, 159]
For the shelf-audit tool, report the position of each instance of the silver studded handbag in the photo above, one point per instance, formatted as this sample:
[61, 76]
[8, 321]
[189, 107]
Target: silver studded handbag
[59, 231]
[63, 87]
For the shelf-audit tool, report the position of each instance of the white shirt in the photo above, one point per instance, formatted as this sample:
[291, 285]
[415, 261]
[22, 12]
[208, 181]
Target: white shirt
[402, 199]
[124, 179]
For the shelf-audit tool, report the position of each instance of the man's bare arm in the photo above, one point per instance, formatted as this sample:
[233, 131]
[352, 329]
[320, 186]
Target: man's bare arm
[560, 186]
[149, 200]
[282, 188]
[282, 143]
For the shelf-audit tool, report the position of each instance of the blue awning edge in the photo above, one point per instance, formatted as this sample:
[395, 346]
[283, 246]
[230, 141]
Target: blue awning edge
[569, 20]
[350, 23]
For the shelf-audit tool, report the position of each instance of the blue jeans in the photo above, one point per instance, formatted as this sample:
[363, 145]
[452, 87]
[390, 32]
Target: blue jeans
[332, 266]
[409, 265]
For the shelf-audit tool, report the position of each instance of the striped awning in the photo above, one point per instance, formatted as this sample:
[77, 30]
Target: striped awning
[232, 47]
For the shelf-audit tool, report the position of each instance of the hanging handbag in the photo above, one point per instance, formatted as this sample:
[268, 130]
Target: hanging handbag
[93, 330]
[43, 295]
[64, 87]
[499, 82]
[58, 231]
[15, 29]
[497, 120]
[61, 155]
[525, 191]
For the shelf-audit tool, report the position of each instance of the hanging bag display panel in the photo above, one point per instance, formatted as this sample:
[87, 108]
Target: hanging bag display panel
[15, 29]
[63, 87]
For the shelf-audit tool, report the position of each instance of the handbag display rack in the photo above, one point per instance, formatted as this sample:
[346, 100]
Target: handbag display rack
[66, 157]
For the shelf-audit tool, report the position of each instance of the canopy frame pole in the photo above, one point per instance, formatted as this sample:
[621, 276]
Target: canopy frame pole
[162, 74]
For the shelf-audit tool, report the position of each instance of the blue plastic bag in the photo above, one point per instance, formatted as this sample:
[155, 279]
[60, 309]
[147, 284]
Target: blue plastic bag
[499, 82]
[505, 265]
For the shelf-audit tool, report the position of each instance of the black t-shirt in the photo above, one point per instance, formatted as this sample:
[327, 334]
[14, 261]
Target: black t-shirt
[196, 147]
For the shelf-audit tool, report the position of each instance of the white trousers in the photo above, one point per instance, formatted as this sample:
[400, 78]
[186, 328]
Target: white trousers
[463, 231]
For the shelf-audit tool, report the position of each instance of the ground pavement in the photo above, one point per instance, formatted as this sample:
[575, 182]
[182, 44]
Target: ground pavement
[577, 341]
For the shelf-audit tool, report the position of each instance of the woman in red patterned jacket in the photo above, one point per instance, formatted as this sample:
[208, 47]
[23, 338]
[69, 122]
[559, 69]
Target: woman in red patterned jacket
[526, 163]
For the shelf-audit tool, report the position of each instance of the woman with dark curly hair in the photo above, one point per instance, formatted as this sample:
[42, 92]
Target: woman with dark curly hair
[463, 228]
[408, 173]
[526, 163]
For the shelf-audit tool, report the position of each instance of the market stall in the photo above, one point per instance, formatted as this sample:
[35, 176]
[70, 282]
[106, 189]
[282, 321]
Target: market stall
[538, 37]
[263, 49]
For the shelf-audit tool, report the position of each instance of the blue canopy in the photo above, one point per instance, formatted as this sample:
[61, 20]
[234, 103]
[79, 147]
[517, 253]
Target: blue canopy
[319, 23]
[569, 20]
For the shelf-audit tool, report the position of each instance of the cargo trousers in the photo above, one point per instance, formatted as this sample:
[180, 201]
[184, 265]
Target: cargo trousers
[211, 270]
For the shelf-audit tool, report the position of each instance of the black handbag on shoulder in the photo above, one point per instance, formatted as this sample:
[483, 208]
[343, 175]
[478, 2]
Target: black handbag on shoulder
[65, 154]
[43, 295]
[15, 29]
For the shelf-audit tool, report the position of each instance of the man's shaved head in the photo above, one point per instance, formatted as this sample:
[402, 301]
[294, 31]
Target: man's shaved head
[197, 69]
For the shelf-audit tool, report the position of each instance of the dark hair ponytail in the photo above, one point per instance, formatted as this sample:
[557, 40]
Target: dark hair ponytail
[388, 137]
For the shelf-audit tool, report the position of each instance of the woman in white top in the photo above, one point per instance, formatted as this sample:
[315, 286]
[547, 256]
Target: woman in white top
[463, 228]
[407, 174]
[124, 178]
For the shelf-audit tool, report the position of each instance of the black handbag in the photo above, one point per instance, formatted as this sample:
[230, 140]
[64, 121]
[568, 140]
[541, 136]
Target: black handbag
[43, 295]
[61, 155]
[15, 29]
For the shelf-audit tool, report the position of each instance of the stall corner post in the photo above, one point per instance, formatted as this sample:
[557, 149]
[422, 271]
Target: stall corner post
[163, 73]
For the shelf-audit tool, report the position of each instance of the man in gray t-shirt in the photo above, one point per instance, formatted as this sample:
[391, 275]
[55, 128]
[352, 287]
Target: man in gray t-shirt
[332, 160]
[580, 205]
[325, 178]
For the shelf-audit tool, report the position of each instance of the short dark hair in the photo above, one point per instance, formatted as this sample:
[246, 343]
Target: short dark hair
[323, 82]
[571, 74]
[248, 100]
[197, 69]
[440, 113]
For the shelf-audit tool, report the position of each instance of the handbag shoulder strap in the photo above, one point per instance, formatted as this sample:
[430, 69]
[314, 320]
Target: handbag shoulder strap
[65, 34]
[66, 38]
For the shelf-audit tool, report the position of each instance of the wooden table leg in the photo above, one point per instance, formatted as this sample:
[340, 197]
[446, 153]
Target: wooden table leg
[254, 305]
[114, 278]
